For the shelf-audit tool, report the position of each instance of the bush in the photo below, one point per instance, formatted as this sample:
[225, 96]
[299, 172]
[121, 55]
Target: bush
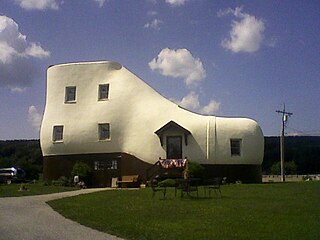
[167, 183]
[61, 182]
[64, 181]
[55, 183]
[46, 183]
[289, 168]
[82, 170]
[195, 170]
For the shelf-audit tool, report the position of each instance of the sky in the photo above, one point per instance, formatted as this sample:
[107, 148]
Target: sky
[221, 58]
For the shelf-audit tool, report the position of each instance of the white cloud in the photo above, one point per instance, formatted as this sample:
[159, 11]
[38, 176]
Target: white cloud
[176, 2]
[38, 4]
[212, 108]
[37, 51]
[16, 69]
[6, 52]
[100, 2]
[152, 1]
[154, 24]
[272, 42]
[191, 102]
[18, 89]
[152, 13]
[34, 117]
[179, 64]
[246, 35]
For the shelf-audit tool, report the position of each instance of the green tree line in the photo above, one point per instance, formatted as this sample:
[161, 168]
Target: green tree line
[302, 155]
[25, 154]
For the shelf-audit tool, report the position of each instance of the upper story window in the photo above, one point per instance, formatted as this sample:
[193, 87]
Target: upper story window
[104, 131]
[103, 92]
[235, 145]
[57, 135]
[70, 94]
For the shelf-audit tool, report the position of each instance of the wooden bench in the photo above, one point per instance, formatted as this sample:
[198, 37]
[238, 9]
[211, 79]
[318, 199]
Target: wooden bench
[129, 181]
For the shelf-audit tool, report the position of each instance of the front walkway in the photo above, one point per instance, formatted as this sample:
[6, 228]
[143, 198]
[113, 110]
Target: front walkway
[30, 218]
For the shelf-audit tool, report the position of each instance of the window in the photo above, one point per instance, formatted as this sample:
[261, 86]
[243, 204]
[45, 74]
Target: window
[103, 92]
[104, 131]
[98, 165]
[109, 165]
[113, 164]
[235, 145]
[70, 94]
[57, 134]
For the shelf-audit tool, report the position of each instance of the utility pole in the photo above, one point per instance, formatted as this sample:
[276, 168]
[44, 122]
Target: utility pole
[285, 116]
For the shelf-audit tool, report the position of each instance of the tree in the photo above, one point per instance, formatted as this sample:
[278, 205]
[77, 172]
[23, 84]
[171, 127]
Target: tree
[289, 168]
[82, 170]
[195, 170]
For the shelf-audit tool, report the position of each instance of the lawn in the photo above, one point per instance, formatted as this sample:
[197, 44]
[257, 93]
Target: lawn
[257, 211]
[12, 190]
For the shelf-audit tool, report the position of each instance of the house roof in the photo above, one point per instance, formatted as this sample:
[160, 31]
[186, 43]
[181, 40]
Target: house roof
[172, 125]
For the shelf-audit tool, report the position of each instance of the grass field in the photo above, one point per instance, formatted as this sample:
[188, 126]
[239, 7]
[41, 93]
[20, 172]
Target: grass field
[12, 190]
[262, 211]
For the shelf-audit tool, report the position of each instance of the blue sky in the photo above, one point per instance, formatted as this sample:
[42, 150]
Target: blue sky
[223, 58]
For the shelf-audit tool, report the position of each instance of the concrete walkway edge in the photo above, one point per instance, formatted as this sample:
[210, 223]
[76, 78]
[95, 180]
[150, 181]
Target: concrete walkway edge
[31, 218]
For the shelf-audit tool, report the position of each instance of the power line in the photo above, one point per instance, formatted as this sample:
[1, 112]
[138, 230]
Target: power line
[285, 116]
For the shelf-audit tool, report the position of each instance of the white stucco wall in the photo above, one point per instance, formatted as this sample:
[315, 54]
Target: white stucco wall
[135, 111]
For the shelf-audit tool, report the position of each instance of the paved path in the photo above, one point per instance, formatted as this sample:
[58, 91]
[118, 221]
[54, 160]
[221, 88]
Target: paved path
[30, 218]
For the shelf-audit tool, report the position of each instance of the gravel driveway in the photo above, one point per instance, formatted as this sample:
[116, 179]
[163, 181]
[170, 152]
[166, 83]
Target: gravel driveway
[30, 218]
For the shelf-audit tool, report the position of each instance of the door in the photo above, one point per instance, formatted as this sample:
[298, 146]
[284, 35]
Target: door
[174, 147]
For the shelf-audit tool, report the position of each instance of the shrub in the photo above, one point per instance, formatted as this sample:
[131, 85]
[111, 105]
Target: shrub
[55, 183]
[289, 168]
[195, 170]
[46, 183]
[167, 183]
[82, 170]
[61, 182]
[64, 181]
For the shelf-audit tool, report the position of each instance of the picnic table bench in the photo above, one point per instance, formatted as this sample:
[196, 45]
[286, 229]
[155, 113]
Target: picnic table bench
[213, 184]
[156, 188]
[187, 186]
[129, 181]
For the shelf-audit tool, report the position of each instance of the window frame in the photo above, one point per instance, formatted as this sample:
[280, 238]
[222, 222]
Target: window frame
[103, 165]
[99, 166]
[113, 165]
[100, 86]
[100, 128]
[236, 151]
[66, 98]
[55, 128]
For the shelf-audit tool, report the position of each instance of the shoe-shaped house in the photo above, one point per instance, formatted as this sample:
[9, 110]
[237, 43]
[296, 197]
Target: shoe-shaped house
[103, 114]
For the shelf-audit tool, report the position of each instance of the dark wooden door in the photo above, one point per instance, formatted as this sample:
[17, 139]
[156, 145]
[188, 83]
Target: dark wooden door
[174, 147]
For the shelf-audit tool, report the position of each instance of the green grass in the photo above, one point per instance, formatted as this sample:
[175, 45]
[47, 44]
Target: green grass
[264, 211]
[12, 190]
